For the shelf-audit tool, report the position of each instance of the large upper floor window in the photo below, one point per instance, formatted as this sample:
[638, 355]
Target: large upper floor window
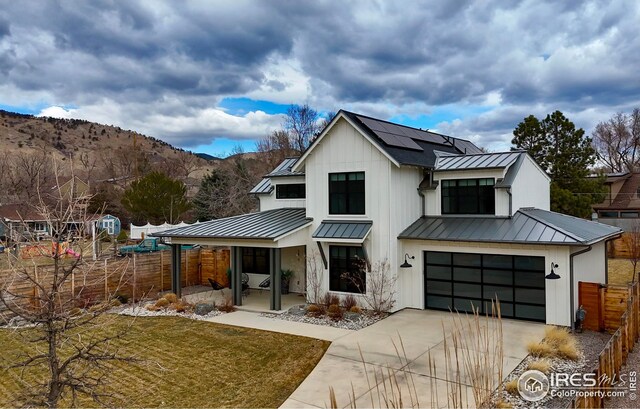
[292, 191]
[468, 196]
[346, 193]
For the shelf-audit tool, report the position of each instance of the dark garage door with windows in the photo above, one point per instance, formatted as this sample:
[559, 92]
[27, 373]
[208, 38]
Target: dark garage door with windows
[459, 280]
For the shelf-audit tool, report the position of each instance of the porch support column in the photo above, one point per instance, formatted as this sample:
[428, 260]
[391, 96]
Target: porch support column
[176, 264]
[236, 275]
[276, 282]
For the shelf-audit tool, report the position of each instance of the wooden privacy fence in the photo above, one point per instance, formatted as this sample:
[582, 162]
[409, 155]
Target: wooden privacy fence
[619, 248]
[138, 276]
[615, 353]
[604, 304]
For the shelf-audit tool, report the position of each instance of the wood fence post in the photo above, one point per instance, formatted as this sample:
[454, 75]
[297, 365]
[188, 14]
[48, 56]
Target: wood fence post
[133, 287]
[106, 281]
[186, 267]
[161, 271]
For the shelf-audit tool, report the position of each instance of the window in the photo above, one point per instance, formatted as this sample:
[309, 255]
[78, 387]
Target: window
[294, 191]
[608, 214]
[255, 260]
[345, 267]
[468, 196]
[346, 193]
[39, 226]
[629, 215]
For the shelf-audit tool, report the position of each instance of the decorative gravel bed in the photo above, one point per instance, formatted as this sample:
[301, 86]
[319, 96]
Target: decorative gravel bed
[591, 343]
[142, 311]
[352, 321]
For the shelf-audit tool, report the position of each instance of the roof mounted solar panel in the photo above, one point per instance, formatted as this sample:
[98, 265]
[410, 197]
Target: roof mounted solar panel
[398, 141]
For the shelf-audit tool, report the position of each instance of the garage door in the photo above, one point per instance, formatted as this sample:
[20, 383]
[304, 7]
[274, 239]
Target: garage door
[459, 280]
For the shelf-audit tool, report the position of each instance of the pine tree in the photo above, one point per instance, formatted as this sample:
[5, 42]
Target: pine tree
[567, 155]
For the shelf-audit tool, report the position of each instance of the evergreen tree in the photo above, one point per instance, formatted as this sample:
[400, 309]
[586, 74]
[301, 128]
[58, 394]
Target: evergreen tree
[566, 154]
[209, 203]
[156, 198]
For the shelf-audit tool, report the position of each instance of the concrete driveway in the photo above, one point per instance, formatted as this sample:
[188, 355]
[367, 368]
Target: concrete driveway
[421, 334]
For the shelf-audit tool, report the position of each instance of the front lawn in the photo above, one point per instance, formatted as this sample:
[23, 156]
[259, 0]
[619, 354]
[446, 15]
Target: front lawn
[193, 364]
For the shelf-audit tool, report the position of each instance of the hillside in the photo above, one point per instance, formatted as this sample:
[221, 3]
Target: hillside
[92, 146]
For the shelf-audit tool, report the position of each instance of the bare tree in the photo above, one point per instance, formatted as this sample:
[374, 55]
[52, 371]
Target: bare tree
[71, 336]
[276, 147]
[617, 141]
[302, 125]
[315, 277]
[632, 243]
[376, 284]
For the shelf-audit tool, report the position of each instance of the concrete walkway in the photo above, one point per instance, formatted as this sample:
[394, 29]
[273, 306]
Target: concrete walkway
[254, 320]
[418, 335]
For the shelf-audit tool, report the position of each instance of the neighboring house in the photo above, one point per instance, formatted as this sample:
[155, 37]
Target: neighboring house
[457, 226]
[621, 206]
[21, 223]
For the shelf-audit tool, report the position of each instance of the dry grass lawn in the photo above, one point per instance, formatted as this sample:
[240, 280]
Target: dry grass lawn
[192, 364]
[620, 271]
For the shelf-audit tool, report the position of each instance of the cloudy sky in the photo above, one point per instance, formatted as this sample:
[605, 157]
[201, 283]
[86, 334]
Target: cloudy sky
[207, 75]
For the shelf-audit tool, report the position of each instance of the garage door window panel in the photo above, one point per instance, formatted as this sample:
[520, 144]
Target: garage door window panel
[465, 279]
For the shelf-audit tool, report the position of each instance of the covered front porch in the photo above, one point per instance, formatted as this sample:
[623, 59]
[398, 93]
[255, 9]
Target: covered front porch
[257, 300]
[278, 235]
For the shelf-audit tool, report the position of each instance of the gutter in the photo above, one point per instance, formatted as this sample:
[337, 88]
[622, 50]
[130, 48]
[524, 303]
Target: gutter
[571, 284]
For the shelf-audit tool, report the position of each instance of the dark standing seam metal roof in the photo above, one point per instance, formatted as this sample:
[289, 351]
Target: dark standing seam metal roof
[339, 229]
[266, 225]
[409, 146]
[283, 169]
[527, 226]
[477, 161]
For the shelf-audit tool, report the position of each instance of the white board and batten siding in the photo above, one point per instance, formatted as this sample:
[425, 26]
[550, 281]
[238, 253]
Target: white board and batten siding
[270, 202]
[558, 311]
[531, 187]
[391, 199]
[590, 267]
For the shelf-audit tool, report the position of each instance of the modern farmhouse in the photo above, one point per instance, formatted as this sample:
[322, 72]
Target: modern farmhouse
[457, 226]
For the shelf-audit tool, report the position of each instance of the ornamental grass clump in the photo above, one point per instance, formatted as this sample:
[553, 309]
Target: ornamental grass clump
[557, 343]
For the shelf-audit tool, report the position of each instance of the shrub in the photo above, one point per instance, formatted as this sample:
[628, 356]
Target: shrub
[349, 302]
[556, 336]
[115, 302]
[226, 305]
[171, 297]
[540, 349]
[162, 303]
[355, 309]
[542, 365]
[122, 236]
[315, 310]
[123, 298]
[569, 351]
[183, 307]
[152, 307]
[335, 312]
[512, 386]
[330, 299]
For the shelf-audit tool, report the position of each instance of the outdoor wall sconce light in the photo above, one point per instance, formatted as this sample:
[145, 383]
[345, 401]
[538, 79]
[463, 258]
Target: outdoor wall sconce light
[406, 261]
[552, 275]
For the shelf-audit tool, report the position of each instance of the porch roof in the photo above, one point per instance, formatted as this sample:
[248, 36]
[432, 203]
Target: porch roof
[527, 226]
[267, 225]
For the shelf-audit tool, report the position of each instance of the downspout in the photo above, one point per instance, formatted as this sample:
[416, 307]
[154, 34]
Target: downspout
[510, 202]
[422, 198]
[571, 291]
[606, 255]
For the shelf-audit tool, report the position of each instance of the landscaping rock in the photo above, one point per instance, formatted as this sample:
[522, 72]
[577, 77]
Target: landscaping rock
[356, 321]
[298, 310]
[352, 316]
[203, 309]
